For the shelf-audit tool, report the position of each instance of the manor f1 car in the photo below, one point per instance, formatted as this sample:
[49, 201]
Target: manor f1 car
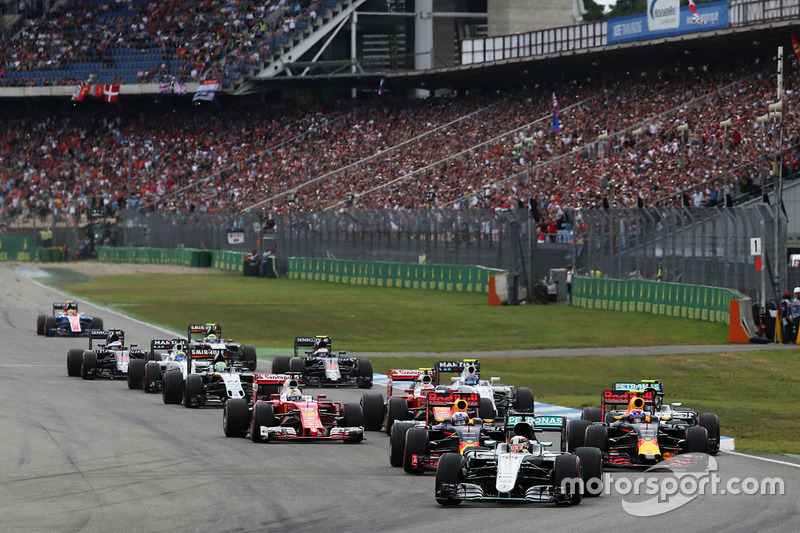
[66, 321]
[108, 360]
[322, 367]
[644, 432]
[280, 411]
[521, 470]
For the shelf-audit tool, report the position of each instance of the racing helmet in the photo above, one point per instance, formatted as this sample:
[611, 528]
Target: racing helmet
[459, 418]
[636, 414]
[219, 366]
[113, 341]
[180, 355]
[294, 395]
[519, 444]
[471, 379]
[211, 338]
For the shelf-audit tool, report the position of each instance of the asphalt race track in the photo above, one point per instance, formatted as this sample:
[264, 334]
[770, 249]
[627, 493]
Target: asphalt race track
[95, 456]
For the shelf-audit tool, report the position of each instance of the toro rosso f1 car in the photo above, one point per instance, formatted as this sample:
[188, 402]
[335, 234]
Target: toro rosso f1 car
[521, 470]
[280, 411]
[66, 321]
[108, 360]
[644, 432]
[322, 367]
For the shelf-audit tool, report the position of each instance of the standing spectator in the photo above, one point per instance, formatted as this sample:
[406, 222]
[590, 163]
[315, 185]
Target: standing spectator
[255, 263]
[786, 319]
[569, 282]
[795, 312]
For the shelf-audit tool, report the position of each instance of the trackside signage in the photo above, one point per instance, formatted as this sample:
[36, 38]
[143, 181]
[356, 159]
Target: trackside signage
[665, 18]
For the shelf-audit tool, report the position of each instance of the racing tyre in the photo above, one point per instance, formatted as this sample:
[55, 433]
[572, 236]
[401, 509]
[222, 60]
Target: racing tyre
[280, 364]
[353, 418]
[194, 388]
[235, 417]
[263, 415]
[396, 409]
[592, 414]
[596, 436]
[450, 470]
[696, 439]
[397, 442]
[40, 320]
[151, 356]
[50, 326]
[574, 434]
[74, 362]
[486, 409]
[417, 443]
[523, 400]
[364, 373]
[249, 357]
[373, 409]
[609, 418]
[88, 365]
[97, 323]
[152, 375]
[710, 421]
[592, 465]
[296, 365]
[568, 467]
[172, 387]
[136, 374]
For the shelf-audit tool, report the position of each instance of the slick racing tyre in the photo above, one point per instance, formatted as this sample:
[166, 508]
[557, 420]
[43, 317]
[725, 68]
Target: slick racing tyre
[136, 374]
[97, 323]
[523, 400]
[152, 375]
[172, 387]
[74, 362]
[574, 434]
[592, 465]
[296, 365]
[50, 326]
[396, 409]
[596, 436]
[374, 411]
[40, 321]
[364, 373]
[249, 357]
[710, 421]
[89, 365]
[193, 391]
[568, 468]
[397, 442]
[697, 439]
[450, 470]
[353, 417]
[280, 364]
[263, 415]
[486, 409]
[592, 414]
[235, 417]
[417, 444]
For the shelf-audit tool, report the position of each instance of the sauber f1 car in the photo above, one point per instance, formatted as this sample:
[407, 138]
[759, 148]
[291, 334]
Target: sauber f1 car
[280, 411]
[644, 431]
[521, 470]
[496, 399]
[66, 321]
[418, 445]
[106, 360]
[323, 367]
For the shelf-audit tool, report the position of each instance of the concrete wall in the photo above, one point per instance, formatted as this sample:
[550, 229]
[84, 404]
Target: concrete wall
[519, 16]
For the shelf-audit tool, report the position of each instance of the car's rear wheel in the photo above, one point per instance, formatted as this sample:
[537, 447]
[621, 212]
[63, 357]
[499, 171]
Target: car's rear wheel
[172, 387]
[697, 439]
[574, 434]
[296, 365]
[710, 421]
[280, 364]
[263, 415]
[450, 470]
[397, 442]
[88, 365]
[523, 400]
[596, 436]
[40, 320]
[592, 465]
[566, 475]
[136, 373]
[417, 444]
[194, 388]
[486, 409]
[249, 357]
[152, 375]
[74, 362]
[592, 414]
[353, 418]
[374, 411]
[364, 373]
[235, 417]
[50, 326]
[396, 409]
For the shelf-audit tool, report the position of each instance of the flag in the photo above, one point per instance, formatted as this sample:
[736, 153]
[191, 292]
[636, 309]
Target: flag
[178, 88]
[206, 90]
[693, 9]
[382, 87]
[163, 87]
[796, 47]
[778, 327]
[80, 93]
[97, 91]
[556, 125]
[111, 93]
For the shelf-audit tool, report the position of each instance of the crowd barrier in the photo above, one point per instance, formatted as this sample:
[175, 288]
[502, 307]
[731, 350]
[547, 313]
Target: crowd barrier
[453, 278]
[156, 256]
[698, 302]
[17, 248]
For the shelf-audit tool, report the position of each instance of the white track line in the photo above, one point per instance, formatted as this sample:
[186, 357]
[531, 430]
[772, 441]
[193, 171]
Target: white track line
[764, 459]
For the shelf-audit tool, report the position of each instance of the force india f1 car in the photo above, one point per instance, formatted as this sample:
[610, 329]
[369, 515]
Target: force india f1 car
[521, 470]
[322, 367]
[66, 321]
[108, 360]
[210, 336]
[645, 432]
[281, 412]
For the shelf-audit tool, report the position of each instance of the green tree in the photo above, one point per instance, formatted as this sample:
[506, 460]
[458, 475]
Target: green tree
[628, 7]
[594, 11]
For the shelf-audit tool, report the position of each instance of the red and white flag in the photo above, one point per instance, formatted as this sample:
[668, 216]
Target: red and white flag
[111, 93]
[80, 93]
[692, 7]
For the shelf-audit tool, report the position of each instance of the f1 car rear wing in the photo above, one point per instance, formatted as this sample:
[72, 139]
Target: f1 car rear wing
[171, 344]
[204, 329]
[473, 366]
[205, 352]
[613, 399]
[104, 334]
[60, 306]
[274, 379]
[406, 378]
[441, 405]
[526, 424]
[643, 385]
[311, 341]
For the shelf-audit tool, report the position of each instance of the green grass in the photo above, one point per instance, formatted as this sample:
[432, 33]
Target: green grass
[751, 391]
[270, 313]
